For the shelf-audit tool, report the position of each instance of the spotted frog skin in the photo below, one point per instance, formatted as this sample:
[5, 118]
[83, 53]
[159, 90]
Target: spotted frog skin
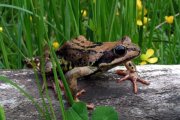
[80, 57]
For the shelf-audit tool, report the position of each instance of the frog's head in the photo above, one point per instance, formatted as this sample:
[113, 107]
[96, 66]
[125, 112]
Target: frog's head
[126, 50]
[122, 51]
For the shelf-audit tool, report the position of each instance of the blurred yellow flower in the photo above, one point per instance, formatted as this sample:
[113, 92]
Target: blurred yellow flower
[145, 11]
[55, 45]
[139, 22]
[84, 13]
[148, 57]
[139, 4]
[146, 20]
[1, 29]
[169, 19]
[139, 12]
[140, 9]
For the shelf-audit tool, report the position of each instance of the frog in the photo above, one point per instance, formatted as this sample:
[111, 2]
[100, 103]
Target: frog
[80, 57]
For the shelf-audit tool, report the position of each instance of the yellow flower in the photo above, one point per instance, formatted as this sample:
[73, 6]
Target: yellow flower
[148, 57]
[84, 13]
[55, 45]
[169, 19]
[146, 20]
[145, 11]
[139, 4]
[1, 29]
[140, 10]
[139, 22]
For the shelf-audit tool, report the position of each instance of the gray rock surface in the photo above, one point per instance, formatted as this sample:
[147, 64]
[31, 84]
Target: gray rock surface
[158, 101]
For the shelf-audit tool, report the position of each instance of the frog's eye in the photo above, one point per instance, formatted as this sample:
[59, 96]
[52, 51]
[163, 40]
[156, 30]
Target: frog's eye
[120, 50]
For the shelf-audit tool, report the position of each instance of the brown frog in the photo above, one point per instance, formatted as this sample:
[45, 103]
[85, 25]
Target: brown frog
[80, 57]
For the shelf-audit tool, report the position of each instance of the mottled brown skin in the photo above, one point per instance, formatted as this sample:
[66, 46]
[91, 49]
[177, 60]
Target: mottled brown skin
[80, 57]
[84, 57]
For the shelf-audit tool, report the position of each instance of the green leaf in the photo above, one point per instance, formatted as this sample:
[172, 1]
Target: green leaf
[77, 112]
[104, 113]
[16, 7]
[2, 114]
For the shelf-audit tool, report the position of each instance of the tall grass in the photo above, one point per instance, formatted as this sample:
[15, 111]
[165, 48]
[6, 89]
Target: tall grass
[105, 21]
[29, 25]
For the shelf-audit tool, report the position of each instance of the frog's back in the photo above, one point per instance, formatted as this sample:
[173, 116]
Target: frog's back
[79, 52]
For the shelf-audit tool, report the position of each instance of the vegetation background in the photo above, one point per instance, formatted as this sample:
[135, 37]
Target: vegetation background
[26, 25]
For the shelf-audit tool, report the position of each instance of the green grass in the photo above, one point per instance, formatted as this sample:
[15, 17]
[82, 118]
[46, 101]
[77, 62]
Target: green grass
[29, 25]
[2, 114]
[63, 20]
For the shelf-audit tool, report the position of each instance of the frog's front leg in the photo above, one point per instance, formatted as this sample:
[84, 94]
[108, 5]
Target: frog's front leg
[72, 77]
[131, 74]
[51, 84]
[50, 78]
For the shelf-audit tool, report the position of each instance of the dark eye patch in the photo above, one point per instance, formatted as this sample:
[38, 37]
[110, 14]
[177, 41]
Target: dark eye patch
[107, 57]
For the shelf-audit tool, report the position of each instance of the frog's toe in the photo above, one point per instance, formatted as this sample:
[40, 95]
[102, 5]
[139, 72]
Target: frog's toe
[90, 106]
[78, 94]
[121, 72]
[133, 77]
[133, 80]
[126, 77]
[143, 81]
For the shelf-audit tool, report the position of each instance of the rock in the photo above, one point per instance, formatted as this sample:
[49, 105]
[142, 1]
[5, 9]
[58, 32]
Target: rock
[160, 100]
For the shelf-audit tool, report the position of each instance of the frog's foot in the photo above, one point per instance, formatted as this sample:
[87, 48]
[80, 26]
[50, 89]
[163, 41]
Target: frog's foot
[78, 94]
[90, 106]
[133, 76]
[52, 85]
[76, 98]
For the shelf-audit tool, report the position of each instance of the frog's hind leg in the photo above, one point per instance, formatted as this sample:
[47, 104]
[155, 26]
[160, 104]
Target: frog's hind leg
[131, 74]
[72, 77]
[78, 94]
